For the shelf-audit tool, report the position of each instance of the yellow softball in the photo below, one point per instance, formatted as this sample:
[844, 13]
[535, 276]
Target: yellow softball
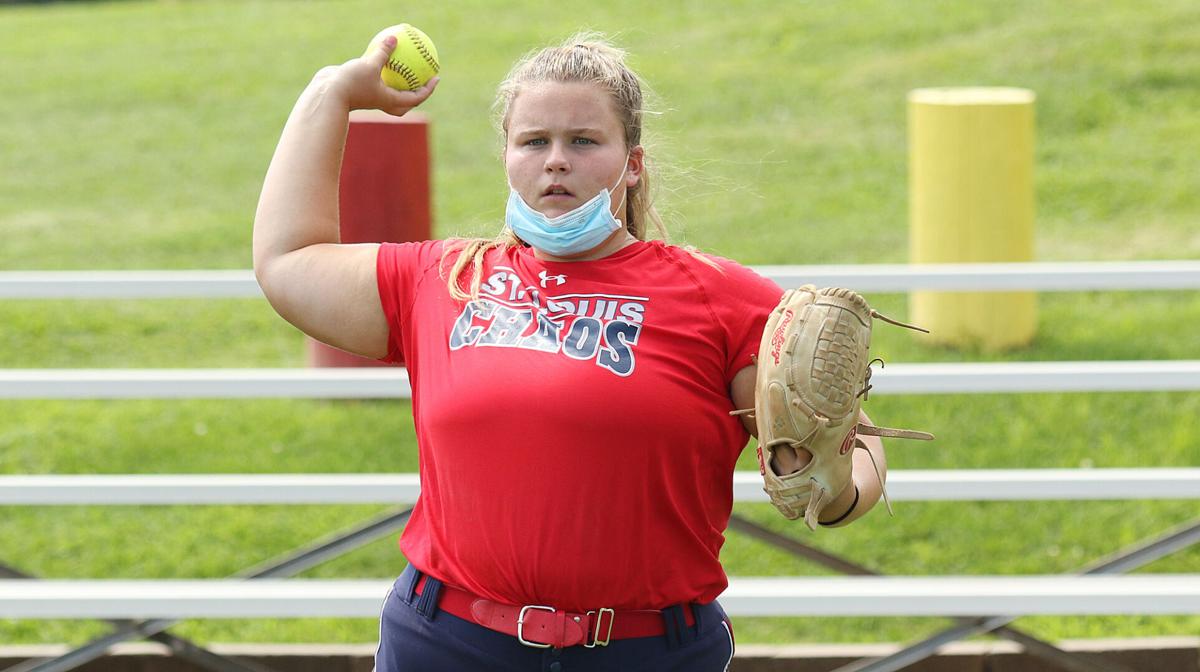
[413, 62]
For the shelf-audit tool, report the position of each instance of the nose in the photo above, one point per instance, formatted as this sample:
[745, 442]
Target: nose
[556, 159]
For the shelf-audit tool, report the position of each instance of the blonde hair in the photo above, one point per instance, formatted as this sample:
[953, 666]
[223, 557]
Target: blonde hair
[585, 57]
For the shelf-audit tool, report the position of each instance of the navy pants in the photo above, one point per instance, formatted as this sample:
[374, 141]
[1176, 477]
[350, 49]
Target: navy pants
[414, 635]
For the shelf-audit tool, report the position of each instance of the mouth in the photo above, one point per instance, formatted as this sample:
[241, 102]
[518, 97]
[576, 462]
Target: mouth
[557, 190]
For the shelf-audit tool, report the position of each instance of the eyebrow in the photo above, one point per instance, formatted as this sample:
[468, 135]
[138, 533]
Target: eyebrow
[570, 131]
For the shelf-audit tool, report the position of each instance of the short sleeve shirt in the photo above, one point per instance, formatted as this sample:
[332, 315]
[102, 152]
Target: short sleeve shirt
[573, 422]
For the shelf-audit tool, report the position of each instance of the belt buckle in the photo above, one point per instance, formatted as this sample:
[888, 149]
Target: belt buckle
[596, 632]
[521, 625]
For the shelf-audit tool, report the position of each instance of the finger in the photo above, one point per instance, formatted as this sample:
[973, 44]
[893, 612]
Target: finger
[427, 90]
[412, 98]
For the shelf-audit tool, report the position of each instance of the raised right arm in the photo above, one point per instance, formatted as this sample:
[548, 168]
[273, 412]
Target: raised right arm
[326, 289]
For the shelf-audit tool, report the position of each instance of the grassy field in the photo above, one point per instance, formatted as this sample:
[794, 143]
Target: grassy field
[134, 135]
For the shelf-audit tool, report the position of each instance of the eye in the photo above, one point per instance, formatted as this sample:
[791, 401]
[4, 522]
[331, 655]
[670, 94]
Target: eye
[584, 141]
[535, 141]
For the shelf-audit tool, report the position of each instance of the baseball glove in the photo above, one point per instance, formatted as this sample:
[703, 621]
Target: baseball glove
[813, 374]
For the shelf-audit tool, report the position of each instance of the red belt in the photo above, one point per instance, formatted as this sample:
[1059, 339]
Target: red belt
[544, 627]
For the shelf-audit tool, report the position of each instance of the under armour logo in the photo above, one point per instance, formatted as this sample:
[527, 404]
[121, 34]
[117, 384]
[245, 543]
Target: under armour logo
[558, 279]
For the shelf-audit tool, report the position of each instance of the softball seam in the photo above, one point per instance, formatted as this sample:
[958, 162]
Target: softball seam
[422, 49]
[404, 71]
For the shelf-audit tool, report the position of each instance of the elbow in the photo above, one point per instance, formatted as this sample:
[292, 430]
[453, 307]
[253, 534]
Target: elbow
[266, 268]
[259, 251]
[262, 265]
[263, 254]
[267, 271]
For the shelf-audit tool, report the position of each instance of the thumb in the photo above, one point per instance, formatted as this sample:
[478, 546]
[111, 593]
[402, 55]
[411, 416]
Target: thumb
[379, 56]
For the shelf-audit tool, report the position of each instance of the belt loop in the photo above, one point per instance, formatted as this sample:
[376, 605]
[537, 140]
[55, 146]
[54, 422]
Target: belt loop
[686, 634]
[411, 576]
[671, 616]
[697, 609]
[427, 604]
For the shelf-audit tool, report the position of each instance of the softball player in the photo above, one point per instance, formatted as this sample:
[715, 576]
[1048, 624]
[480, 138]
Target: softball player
[572, 380]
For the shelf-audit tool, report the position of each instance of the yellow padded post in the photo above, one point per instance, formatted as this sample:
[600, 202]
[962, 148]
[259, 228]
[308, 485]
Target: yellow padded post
[971, 200]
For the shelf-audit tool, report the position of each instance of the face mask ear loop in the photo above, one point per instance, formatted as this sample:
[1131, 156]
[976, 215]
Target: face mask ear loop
[623, 193]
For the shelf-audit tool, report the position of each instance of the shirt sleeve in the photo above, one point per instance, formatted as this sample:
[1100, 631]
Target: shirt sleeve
[742, 300]
[400, 269]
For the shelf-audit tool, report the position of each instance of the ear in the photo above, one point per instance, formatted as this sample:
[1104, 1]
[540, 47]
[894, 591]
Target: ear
[634, 166]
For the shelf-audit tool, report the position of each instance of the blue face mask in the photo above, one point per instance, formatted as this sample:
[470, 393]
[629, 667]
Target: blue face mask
[570, 233]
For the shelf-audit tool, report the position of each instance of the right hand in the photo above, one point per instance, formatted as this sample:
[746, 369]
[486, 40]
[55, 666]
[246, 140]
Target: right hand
[359, 83]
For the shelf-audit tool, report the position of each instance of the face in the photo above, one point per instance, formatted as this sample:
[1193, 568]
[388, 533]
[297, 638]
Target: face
[565, 143]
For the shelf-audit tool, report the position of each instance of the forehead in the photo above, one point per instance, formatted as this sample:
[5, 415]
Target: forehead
[562, 105]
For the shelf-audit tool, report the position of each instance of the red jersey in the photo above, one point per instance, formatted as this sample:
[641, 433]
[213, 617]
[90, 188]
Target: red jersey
[575, 443]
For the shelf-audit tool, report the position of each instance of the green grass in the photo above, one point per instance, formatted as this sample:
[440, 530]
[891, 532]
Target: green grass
[136, 134]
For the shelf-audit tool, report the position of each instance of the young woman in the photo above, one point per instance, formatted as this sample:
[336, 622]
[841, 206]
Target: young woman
[572, 381]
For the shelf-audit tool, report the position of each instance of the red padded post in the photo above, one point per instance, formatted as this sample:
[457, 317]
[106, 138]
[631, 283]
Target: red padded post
[383, 195]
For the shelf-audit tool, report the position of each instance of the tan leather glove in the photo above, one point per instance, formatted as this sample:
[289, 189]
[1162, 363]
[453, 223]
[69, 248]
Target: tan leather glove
[813, 375]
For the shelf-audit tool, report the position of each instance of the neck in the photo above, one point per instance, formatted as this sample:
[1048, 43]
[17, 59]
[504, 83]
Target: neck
[618, 240]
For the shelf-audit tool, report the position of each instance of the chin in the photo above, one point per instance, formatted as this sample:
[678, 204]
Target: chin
[551, 213]
[554, 207]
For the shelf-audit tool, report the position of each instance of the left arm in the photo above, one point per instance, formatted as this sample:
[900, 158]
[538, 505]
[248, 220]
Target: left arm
[863, 476]
[788, 461]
